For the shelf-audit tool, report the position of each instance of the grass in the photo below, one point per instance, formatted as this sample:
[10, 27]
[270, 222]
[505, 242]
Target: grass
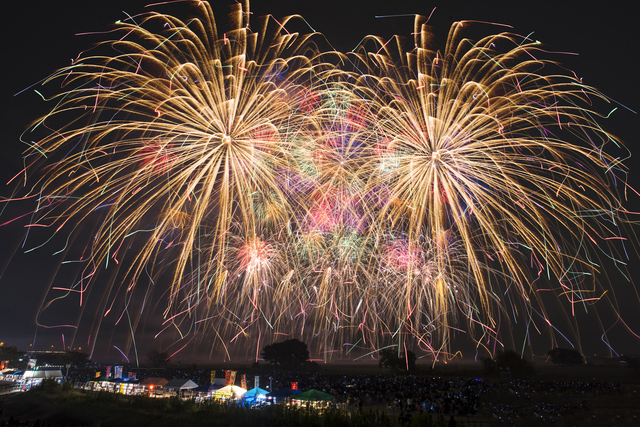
[61, 406]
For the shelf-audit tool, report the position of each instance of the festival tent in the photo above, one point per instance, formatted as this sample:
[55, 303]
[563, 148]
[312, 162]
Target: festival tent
[284, 392]
[313, 395]
[127, 385]
[42, 373]
[153, 381]
[207, 388]
[33, 377]
[126, 382]
[206, 391]
[99, 383]
[180, 384]
[254, 394]
[230, 391]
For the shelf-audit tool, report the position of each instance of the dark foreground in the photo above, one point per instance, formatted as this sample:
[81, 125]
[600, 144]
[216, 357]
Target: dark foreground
[559, 396]
[76, 408]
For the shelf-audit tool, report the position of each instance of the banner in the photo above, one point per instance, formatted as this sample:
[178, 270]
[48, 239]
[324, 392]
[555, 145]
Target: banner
[132, 375]
[233, 377]
[213, 377]
[256, 381]
[227, 377]
[98, 374]
[31, 364]
[108, 374]
[294, 386]
[118, 372]
[243, 381]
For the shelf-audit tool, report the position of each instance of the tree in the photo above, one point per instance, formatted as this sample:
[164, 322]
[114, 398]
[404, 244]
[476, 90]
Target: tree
[287, 353]
[565, 356]
[389, 358]
[76, 358]
[158, 359]
[10, 353]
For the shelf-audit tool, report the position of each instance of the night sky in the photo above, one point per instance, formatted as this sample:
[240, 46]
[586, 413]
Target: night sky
[39, 37]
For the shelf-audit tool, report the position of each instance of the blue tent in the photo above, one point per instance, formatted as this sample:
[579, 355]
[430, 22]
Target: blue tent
[254, 394]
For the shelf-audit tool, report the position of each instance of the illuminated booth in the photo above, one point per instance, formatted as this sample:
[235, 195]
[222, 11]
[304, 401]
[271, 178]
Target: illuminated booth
[229, 392]
[154, 385]
[34, 377]
[255, 396]
[179, 385]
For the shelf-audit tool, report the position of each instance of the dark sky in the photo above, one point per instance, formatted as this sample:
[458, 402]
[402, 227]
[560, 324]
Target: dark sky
[39, 37]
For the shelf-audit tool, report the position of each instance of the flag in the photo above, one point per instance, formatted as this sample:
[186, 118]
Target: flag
[243, 381]
[256, 381]
[233, 377]
[227, 377]
[213, 377]
[294, 386]
[108, 374]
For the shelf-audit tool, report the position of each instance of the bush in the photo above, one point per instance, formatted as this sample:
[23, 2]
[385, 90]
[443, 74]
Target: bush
[49, 386]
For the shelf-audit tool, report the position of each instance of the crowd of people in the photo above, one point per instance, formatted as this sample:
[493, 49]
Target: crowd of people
[538, 399]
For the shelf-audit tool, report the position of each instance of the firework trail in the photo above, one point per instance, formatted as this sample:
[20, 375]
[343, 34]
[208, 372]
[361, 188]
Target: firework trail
[477, 145]
[171, 138]
[268, 187]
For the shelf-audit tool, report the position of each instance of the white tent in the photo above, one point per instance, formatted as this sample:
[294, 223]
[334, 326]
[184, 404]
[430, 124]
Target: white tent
[180, 384]
[33, 377]
[43, 373]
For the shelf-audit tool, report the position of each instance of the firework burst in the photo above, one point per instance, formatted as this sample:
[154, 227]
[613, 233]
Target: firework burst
[480, 146]
[278, 191]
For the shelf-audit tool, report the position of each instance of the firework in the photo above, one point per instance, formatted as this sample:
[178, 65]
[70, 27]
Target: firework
[186, 125]
[479, 146]
[274, 189]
